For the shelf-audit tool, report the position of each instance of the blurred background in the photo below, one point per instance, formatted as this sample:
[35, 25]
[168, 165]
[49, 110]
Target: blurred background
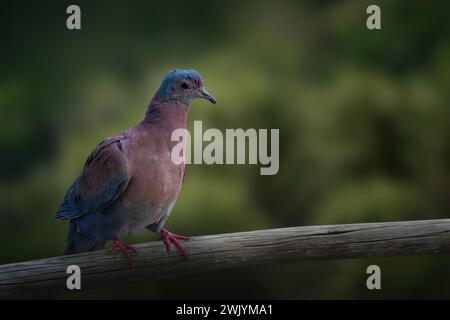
[364, 119]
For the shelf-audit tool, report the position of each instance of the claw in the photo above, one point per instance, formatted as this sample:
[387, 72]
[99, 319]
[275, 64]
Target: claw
[169, 237]
[120, 246]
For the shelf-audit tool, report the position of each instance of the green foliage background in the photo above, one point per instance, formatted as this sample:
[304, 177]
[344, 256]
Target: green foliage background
[364, 123]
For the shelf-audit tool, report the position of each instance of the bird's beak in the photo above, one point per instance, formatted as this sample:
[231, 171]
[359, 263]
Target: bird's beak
[205, 95]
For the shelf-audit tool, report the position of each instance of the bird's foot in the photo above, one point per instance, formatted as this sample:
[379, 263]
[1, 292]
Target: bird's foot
[169, 237]
[125, 248]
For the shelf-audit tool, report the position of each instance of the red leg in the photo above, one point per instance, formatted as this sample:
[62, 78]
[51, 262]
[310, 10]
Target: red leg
[169, 237]
[120, 246]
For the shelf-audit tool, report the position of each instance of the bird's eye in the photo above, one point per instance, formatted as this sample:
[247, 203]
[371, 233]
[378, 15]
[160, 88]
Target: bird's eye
[184, 85]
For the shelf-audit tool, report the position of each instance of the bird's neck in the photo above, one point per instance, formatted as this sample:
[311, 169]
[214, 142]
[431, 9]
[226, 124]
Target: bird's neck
[165, 94]
[168, 114]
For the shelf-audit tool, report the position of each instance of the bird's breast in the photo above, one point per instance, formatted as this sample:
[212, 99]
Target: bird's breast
[152, 191]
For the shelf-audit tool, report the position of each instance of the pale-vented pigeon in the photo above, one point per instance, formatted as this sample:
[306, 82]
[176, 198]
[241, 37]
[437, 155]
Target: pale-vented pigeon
[129, 182]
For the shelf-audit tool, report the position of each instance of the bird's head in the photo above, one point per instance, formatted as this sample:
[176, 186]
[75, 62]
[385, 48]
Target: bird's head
[184, 86]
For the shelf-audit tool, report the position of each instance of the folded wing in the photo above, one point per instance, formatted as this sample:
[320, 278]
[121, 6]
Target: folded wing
[104, 177]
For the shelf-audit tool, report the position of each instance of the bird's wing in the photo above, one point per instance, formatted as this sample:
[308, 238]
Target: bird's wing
[104, 177]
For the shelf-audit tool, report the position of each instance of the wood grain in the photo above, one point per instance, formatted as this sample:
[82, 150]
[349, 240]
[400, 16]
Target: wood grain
[47, 277]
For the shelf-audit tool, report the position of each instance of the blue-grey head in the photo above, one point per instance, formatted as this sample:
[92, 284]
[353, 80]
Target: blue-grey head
[184, 86]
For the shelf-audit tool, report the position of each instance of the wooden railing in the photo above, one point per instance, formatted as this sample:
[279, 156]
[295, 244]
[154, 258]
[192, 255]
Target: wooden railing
[47, 277]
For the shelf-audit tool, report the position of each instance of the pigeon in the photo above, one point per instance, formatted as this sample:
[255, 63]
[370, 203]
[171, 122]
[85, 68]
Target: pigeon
[130, 183]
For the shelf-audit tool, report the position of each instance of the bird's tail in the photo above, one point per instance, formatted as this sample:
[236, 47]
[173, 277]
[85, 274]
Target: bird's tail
[77, 243]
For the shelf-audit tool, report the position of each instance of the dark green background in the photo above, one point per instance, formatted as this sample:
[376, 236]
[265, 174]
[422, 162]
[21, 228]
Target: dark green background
[364, 119]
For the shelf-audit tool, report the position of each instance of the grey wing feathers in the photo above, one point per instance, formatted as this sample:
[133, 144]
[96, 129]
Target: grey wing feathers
[104, 177]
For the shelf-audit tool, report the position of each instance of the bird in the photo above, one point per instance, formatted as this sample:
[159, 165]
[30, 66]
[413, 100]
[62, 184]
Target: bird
[129, 182]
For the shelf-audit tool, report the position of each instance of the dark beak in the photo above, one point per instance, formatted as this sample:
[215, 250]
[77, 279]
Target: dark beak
[205, 95]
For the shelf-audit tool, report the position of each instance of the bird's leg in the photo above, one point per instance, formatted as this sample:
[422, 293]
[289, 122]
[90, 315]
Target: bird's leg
[169, 237]
[119, 245]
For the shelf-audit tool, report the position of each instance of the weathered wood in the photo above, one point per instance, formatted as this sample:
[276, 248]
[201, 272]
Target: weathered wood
[46, 277]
